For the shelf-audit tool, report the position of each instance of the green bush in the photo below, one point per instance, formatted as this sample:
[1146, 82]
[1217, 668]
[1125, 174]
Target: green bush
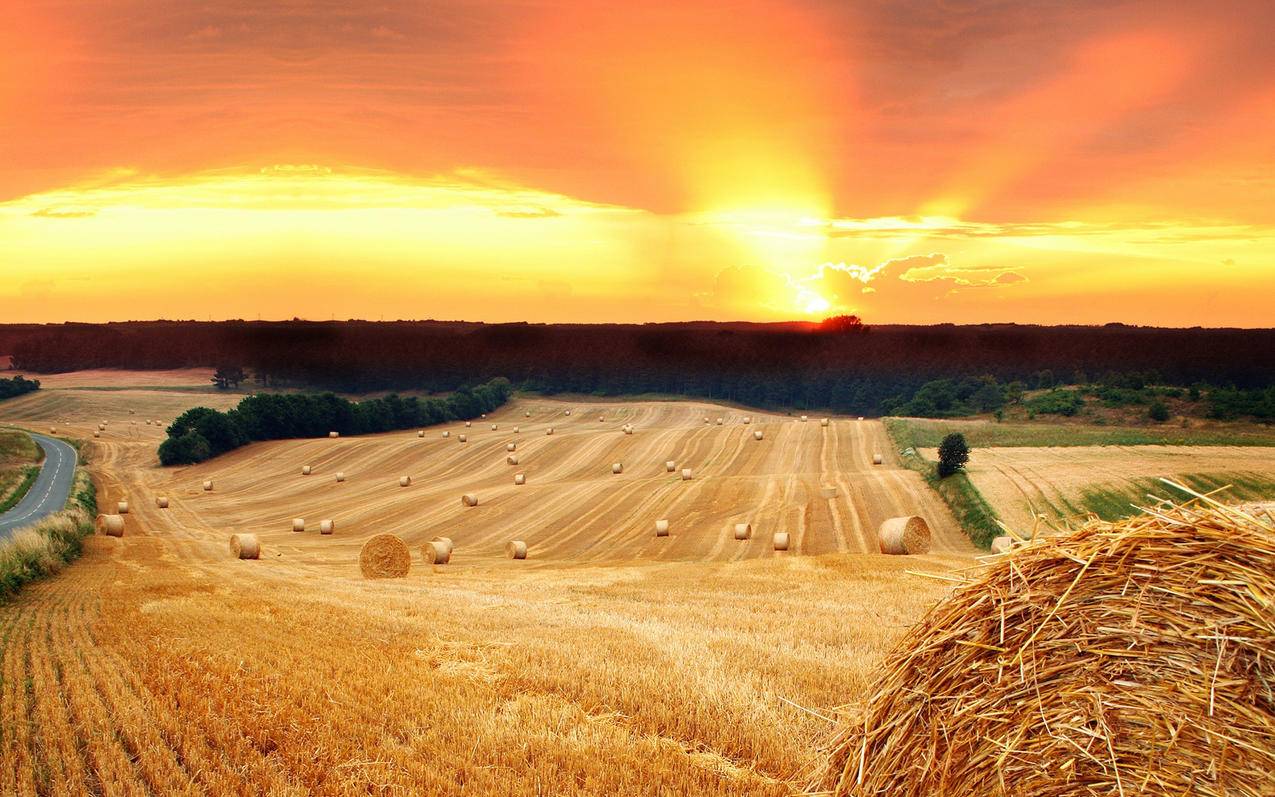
[1055, 402]
[1158, 412]
[953, 454]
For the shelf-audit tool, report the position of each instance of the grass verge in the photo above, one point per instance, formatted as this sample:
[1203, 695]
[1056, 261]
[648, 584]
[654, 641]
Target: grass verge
[1114, 504]
[43, 549]
[972, 511]
[29, 474]
[927, 433]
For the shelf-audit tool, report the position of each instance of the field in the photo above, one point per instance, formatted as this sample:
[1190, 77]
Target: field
[1057, 431]
[1069, 482]
[609, 662]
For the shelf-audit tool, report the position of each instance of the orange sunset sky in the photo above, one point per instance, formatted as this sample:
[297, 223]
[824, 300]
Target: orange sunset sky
[914, 162]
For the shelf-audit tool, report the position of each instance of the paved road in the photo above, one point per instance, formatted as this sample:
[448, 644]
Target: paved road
[51, 489]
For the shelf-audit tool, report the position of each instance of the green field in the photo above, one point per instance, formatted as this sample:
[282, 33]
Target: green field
[1116, 504]
[927, 433]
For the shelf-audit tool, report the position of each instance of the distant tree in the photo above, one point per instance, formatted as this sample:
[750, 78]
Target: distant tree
[1158, 412]
[228, 376]
[953, 454]
[842, 323]
[187, 449]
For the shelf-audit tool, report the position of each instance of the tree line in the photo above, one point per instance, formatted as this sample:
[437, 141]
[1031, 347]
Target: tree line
[840, 366]
[202, 433]
[16, 386]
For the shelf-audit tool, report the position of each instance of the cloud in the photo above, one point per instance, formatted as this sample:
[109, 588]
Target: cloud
[64, 213]
[528, 213]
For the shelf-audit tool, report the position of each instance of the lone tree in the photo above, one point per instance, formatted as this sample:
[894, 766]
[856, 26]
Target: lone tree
[228, 376]
[954, 452]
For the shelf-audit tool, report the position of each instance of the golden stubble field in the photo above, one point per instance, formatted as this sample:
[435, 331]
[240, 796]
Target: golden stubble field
[609, 662]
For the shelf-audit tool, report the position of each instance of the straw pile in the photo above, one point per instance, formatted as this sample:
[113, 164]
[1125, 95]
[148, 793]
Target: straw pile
[161, 503]
[901, 536]
[520, 478]
[757, 435]
[385, 556]
[469, 499]
[516, 549]
[110, 525]
[743, 531]
[327, 526]
[298, 524]
[1135, 657]
[516, 430]
[661, 528]
[122, 508]
[781, 540]
[686, 474]
[208, 486]
[245, 546]
[436, 552]
[719, 421]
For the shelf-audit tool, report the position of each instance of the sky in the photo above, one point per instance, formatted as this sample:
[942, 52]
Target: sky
[909, 161]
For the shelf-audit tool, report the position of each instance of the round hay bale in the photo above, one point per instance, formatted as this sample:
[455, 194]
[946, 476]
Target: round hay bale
[780, 539]
[148, 421]
[436, 552]
[860, 417]
[804, 419]
[527, 414]
[462, 438]
[421, 433]
[110, 525]
[602, 419]
[333, 435]
[823, 421]
[661, 528]
[686, 474]
[245, 546]
[549, 430]
[517, 430]
[446, 541]
[306, 470]
[511, 446]
[516, 549]
[298, 524]
[101, 427]
[327, 526]
[447, 434]
[404, 481]
[384, 556]
[483, 415]
[53, 430]
[670, 466]
[512, 459]
[122, 508]
[1002, 544]
[748, 419]
[877, 459]
[743, 531]
[902, 536]
[617, 467]
[468, 424]
[828, 491]
[1131, 657]
[208, 485]
[97, 434]
[719, 421]
[340, 476]
[520, 478]
[568, 412]
[161, 502]
[469, 499]
[757, 435]
[494, 427]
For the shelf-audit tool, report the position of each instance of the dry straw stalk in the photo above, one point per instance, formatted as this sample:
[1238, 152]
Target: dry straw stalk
[1135, 657]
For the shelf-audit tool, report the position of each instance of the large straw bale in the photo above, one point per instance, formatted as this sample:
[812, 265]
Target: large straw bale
[494, 427]
[687, 474]
[661, 528]
[446, 541]
[904, 535]
[447, 434]
[327, 526]
[516, 549]
[511, 446]
[298, 524]
[245, 546]
[469, 499]
[421, 433]
[748, 419]
[334, 435]
[823, 421]
[306, 470]
[110, 525]
[385, 556]
[161, 502]
[468, 424]
[208, 485]
[743, 531]
[877, 459]
[122, 507]
[340, 476]
[757, 435]
[462, 438]
[404, 481]
[520, 478]
[617, 467]
[97, 434]
[1134, 657]
[804, 419]
[512, 459]
[780, 540]
[670, 466]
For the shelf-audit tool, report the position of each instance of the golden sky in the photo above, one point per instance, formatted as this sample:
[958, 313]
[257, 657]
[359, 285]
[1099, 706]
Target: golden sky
[1057, 161]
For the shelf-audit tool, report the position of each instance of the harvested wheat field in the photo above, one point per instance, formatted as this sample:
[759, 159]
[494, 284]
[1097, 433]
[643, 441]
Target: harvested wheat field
[1069, 482]
[610, 661]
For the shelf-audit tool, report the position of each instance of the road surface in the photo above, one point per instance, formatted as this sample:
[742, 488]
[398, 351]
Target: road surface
[50, 491]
